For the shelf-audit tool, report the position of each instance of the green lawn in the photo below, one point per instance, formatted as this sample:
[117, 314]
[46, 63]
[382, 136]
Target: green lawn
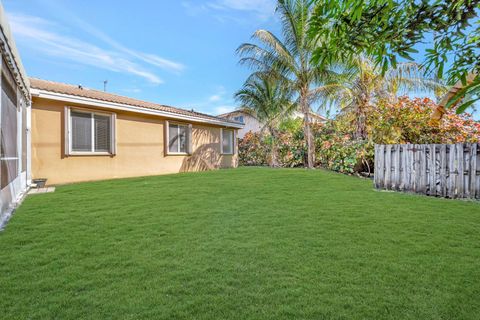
[249, 243]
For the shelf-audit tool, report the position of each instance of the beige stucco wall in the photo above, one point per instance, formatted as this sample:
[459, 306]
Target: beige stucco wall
[139, 148]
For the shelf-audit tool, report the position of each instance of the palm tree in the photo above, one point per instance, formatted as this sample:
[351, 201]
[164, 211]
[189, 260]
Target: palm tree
[366, 85]
[290, 61]
[269, 101]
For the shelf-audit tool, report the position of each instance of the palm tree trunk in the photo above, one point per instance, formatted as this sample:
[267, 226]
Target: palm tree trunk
[274, 151]
[308, 132]
[361, 121]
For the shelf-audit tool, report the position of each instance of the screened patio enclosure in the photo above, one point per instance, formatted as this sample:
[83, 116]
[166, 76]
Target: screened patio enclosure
[13, 147]
[14, 125]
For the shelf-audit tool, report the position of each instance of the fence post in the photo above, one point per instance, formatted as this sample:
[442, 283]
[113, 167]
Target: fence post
[443, 170]
[473, 171]
[388, 167]
[452, 172]
[461, 170]
[432, 171]
[379, 166]
[396, 172]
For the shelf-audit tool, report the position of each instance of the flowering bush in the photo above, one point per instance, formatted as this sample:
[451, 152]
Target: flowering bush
[252, 151]
[337, 150]
[291, 145]
[404, 121]
[408, 121]
[255, 148]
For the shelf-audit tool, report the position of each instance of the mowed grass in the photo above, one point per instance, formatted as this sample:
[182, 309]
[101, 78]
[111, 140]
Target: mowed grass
[251, 243]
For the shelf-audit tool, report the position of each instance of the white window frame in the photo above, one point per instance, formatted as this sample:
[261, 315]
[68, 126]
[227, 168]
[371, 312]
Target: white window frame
[240, 119]
[167, 138]
[234, 136]
[68, 132]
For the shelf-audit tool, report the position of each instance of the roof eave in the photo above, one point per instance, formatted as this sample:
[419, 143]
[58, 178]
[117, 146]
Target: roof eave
[11, 55]
[125, 107]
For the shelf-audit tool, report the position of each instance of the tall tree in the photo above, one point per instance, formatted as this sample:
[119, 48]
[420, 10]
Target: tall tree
[269, 101]
[366, 85]
[290, 61]
[388, 29]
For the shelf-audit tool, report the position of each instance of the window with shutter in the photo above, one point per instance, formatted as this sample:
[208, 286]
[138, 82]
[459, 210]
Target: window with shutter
[91, 132]
[178, 138]
[227, 141]
[102, 133]
[81, 131]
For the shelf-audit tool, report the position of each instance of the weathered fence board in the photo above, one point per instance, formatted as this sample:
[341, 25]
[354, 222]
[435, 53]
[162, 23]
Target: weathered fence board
[451, 171]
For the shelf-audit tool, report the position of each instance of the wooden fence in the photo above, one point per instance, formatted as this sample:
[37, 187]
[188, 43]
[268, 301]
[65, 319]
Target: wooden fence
[451, 171]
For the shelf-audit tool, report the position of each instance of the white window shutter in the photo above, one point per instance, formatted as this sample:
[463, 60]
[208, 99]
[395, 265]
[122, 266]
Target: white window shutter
[113, 135]
[189, 139]
[166, 138]
[67, 130]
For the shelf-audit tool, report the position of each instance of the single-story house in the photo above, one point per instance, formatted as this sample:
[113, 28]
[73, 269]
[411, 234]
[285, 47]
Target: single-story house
[81, 134]
[14, 124]
[252, 124]
[67, 133]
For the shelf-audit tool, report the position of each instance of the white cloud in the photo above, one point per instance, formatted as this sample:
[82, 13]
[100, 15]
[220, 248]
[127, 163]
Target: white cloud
[70, 18]
[224, 109]
[149, 58]
[194, 9]
[217, 103]
[261, 9]
[47, 37]
[215, 98]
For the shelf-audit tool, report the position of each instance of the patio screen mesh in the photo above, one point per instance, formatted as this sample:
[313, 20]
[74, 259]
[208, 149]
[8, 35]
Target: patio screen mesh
[9, 146]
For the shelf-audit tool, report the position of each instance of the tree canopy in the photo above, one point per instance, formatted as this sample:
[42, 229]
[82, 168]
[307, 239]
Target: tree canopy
[388, 29]
[289, 59]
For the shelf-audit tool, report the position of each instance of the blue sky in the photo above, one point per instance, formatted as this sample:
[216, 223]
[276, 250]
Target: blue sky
[180, 53]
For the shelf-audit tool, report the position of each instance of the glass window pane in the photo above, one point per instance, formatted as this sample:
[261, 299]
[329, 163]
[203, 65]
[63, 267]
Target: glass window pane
[227, 143]
[81, 131]
[239, 119]
[102, 133]
[173, 138]
[182, 138]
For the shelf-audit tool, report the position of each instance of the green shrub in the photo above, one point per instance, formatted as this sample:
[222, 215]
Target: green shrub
[252, 150]
[404, 121]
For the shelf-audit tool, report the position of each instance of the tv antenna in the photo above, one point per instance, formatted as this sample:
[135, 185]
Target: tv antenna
[105, 82]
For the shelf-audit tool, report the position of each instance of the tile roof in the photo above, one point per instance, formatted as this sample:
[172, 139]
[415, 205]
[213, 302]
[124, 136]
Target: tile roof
[76, 90]
[312, 113]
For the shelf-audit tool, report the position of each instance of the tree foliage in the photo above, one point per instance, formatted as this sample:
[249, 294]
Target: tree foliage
[388, 29]
[403, 120]
[269, 100]
[289, 60]
[366, 85]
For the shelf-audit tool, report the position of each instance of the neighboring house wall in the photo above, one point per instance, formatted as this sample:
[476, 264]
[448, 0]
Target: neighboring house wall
[140, 148]
[251, 123]
[314, 117]
[14, 117]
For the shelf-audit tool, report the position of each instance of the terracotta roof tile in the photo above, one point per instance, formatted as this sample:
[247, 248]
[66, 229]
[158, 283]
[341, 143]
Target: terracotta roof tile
[76, 90]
